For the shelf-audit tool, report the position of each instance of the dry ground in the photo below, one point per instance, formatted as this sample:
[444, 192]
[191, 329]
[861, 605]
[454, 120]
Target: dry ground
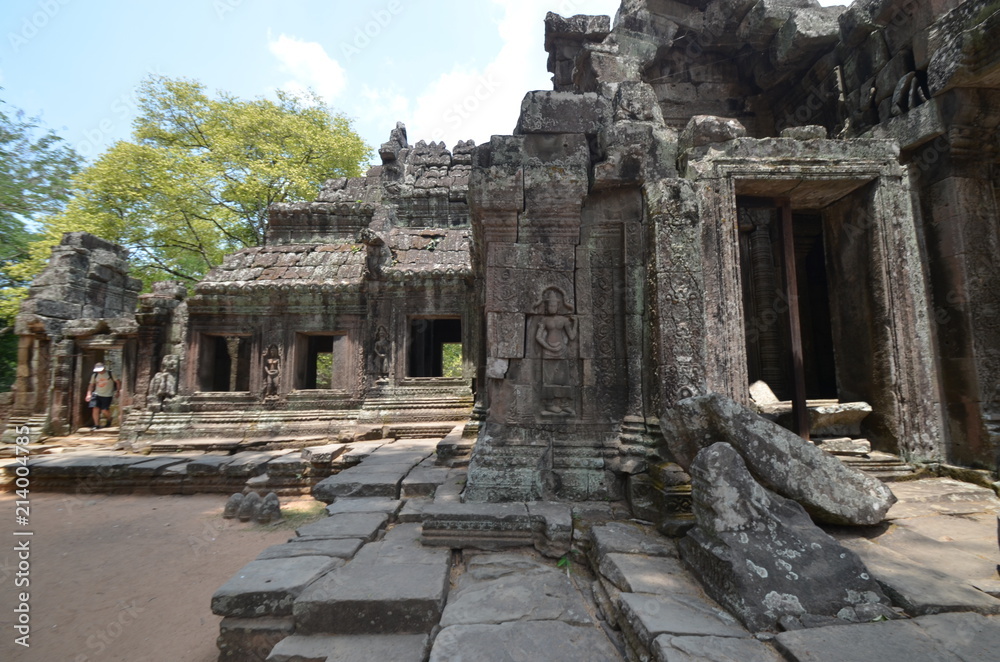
[124, 578]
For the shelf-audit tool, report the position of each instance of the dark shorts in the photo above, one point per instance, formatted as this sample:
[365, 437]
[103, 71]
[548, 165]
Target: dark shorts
[101, 402]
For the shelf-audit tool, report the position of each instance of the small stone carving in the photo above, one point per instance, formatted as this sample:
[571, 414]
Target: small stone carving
[249, 507]
[232, 509]
[164, 383]
[381, 360]
[556, 329]
[272, 373]
[270, 510]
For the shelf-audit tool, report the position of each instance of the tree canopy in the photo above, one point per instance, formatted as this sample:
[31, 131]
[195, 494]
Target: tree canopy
[35, 170]
[198, 175]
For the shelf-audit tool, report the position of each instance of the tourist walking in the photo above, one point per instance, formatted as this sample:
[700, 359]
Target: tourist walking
[100, 392]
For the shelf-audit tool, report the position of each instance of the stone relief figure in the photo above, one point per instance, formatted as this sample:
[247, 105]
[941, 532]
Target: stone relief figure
[272, 373]
[556, 330]
[381, 360]
[163, 386]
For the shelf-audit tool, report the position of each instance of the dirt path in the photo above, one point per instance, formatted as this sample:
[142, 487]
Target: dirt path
[123, 578]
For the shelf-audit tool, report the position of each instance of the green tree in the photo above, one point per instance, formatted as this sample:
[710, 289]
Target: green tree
[35, 170]
[195, 181]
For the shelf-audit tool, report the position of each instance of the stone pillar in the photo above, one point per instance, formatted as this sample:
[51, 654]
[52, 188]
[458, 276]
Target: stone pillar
[962, 227]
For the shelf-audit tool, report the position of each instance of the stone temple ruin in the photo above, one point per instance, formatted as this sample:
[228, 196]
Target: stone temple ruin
[715, 193]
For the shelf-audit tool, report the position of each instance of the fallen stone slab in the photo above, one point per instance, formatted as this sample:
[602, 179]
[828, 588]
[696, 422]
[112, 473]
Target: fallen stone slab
[542, 594]
[629, 538]
[938, 638]
[667, 648]
[341, 548]
[423, 481]
[414, 509]
[636, 573]
[208, 465]
[920, 589]
[251, 464]
[552, 641]
[369, 598]
[393, 586]
[356, 648]
[649, 616]
[155, 466]
[780, 460]
[485, 566]
[401, 545]
[359, 482]
[251, 639]
[497, 526]
[763, 558]
[841, 420]
[390, 507]
[944, 496]
[450, 491]
[324, 454]
[348, 525]
[268, 588]
[845, 446]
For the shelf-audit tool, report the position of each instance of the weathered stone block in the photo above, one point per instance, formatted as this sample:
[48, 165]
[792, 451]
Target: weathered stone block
[532, 640]
[349, 525]
[763, 558]
[268, 588]
[562, 112]
[251, 639]
[781, 460]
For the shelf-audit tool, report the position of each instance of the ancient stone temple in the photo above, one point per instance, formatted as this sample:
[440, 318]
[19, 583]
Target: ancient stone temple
[356, 316]
[714, 193]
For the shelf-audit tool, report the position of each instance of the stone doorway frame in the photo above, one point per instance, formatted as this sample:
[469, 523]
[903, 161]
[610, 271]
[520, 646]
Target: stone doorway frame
[816, 175]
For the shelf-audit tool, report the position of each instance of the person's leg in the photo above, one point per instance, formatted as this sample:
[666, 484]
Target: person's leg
[97, 415]
[107, 418]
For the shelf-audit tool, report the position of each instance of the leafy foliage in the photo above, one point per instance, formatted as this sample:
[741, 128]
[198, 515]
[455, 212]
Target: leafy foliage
[451, 360]
[195, 181]
[35, 170]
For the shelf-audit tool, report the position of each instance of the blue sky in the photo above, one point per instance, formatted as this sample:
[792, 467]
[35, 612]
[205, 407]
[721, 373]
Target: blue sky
[450, 69]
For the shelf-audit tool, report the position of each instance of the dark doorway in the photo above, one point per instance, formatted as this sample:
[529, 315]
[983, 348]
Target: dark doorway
[224, 364]
[766, 305]
[435, 348]
[322, 362]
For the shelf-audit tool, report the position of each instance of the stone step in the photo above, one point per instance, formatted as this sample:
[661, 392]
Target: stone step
[392, 586]
[351, 648]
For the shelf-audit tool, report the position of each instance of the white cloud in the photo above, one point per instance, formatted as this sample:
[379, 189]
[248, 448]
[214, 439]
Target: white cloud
[309, 66]
[477, 103]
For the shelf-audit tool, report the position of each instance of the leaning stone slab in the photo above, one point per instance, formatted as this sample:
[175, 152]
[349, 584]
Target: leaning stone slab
[359, 482]
[532, 640]
[628, 538]
[385, 505]
[357, 648]
[251, 639]
[919, 589]
[423, 480]
[635, 573]
[374, 598]
[342, 548]
[891, 641]
[711, 649]
[649, 616]
[763, 558]
[268, 588]
[778, 459]
[348, 525]
[208, 465]
[536, 595]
